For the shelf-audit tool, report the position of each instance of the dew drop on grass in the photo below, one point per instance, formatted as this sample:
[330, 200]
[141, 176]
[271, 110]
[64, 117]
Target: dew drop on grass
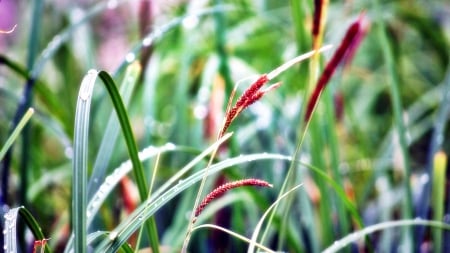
[130, 57]
[109, 179]
[200, 111]
[68, 152]
[190, 22]
[102, 189]
[112, 236]
[147, 41]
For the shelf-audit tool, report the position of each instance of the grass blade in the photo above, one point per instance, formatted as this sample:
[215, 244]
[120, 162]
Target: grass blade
[112, 130]
[138, 169]
[353, 237]
[10, 232]
[16, 132]
[80, 162]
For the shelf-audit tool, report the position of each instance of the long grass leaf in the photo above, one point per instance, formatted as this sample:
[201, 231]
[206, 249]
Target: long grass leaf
[355, 236]
[138, 169]
[80, 161]
[112, 130]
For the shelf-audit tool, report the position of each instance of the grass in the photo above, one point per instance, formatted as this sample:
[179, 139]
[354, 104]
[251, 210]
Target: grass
[119, 160]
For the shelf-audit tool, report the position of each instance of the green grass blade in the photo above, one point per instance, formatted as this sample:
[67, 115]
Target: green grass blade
[147, 209]
[355, 236]
[26, 117]
[138, 169]
[10, 225]
[112, 130]
[80, 161]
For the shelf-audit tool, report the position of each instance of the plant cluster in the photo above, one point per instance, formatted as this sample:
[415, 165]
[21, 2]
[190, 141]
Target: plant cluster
[168, 146]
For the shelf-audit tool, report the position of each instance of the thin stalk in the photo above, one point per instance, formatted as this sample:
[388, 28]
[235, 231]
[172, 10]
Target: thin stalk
[197, 201]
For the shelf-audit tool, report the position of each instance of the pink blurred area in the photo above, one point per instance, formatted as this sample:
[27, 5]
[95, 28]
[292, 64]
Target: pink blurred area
[8, 19]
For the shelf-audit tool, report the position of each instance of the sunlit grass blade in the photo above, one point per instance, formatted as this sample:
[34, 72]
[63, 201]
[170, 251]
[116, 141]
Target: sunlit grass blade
[10, 228]
[124, 230]
[26, 117]
[355, 236]
[80, 161]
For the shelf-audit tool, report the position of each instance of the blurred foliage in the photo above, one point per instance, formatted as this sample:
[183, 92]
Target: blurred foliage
[172, 103]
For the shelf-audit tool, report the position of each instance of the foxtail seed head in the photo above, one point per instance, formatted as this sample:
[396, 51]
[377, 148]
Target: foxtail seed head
[221, 190]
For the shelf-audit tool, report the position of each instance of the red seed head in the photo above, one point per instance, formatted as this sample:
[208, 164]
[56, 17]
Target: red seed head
[221, 190]
[349, 39]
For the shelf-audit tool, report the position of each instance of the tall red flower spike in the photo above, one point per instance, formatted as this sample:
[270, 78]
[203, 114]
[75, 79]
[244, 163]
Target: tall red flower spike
[352, 37]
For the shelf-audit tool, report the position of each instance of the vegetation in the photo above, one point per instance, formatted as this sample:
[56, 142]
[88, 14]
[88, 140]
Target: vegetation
[152, 125]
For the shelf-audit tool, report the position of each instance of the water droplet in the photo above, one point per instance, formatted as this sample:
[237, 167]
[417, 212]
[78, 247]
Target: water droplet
[147, 41]
[109, 180]
[112, 4]
[68, 152]
[130, 57]
[200, 111]
[170, 146]
[190, 22]
[102, 189]
[112, 236]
